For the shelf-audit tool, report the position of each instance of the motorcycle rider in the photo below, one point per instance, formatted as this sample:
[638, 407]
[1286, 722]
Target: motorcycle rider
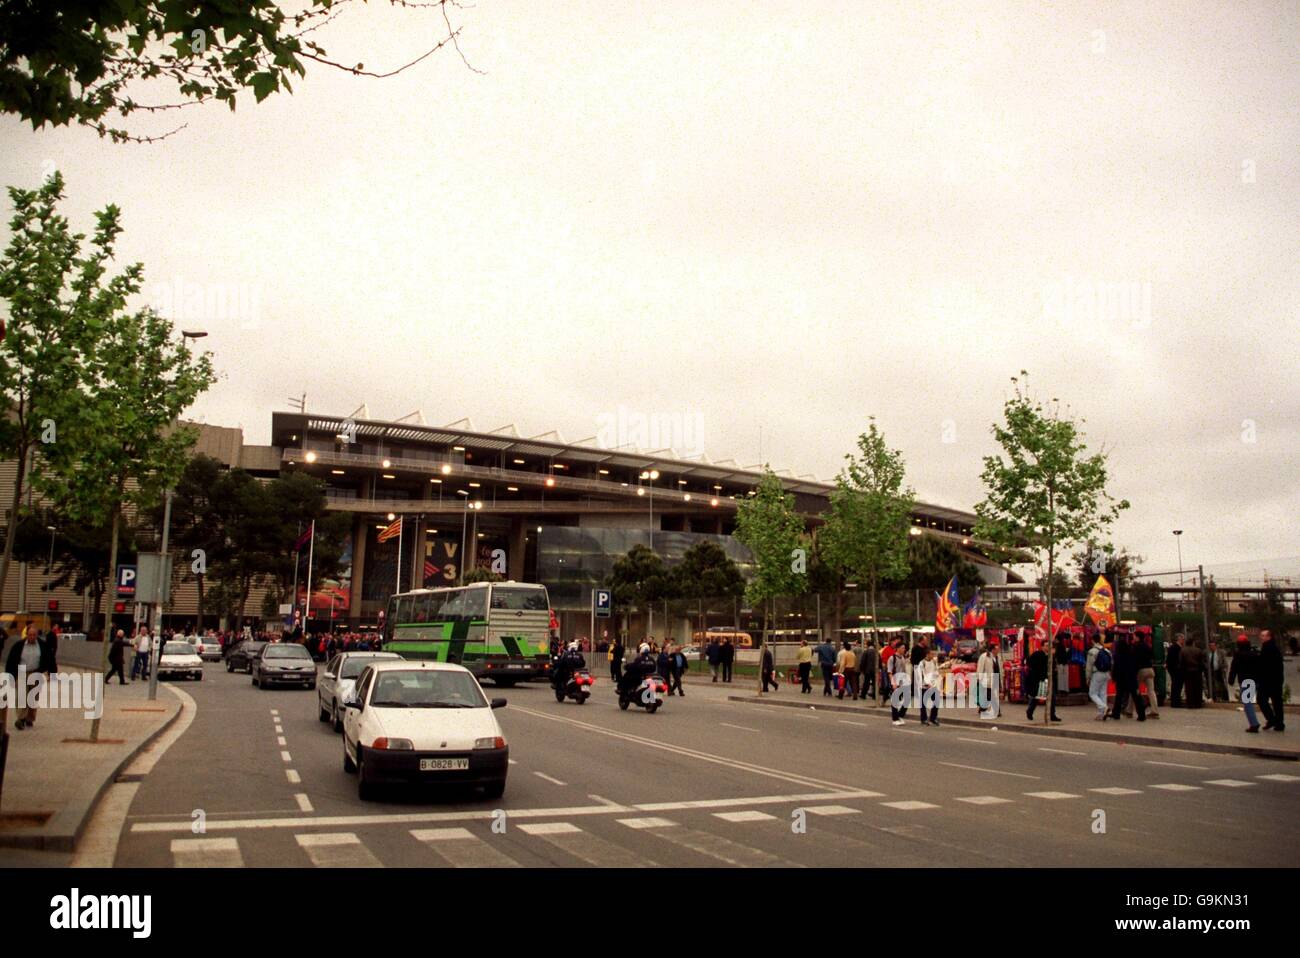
[567, 665]
[637, 670]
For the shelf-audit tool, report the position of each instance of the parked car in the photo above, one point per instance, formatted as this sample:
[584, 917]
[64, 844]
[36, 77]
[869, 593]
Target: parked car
[338, 680]
[425, 723]
[242, 655]
[179, 658]
[283, 663]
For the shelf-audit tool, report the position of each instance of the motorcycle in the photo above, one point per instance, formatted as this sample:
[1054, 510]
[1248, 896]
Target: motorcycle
[577, 687]
[649, 695]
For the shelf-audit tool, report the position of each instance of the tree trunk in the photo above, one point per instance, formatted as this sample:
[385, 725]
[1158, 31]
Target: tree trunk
[199, 581]
[108, 612]
[1051, 651]
[12, 530]
[875, 691]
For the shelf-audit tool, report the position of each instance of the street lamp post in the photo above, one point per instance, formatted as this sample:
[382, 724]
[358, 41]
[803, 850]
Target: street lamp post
[1178, 538]
[651, 475]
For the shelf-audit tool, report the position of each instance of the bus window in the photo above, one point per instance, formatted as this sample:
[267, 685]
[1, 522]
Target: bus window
[475, 604]
[437, 601]
[519, 598]
[453, 607]
[421, 612]
[403, 610]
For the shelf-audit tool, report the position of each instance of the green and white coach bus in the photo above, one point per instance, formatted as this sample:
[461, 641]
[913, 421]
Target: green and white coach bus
[497, 630]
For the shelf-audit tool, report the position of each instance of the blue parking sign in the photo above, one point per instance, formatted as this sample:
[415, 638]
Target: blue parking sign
[602, 601]
[126, 580]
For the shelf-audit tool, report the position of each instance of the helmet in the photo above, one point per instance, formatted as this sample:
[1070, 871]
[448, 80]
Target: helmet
[643, 648]
[573, 646]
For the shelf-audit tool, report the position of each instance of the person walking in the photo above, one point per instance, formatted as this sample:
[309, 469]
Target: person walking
[929, 689]
[868, 665]
[713, 652]
[677, 662]
[769, 669]
[728, 653]
[616, 660]
[1218, 673]
[1037, 675]
[900, 676]
[1098, 674]
[663, 666]
[33, 656]
[1146, 673]
[1193, 663]
[1270, 680]
[117, 659]
[803, 658]
[886, 655]
[988, 679]
[1245, 669]
[846, 666]
[826, 659]
[1124, 672]
[1174, 670]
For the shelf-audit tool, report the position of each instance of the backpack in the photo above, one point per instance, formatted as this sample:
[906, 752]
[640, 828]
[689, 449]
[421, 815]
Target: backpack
[1103, 661]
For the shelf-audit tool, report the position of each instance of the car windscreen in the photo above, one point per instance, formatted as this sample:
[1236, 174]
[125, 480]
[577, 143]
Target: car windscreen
[353, 664]
[286, 652]
[516, 599]
[178, 648]
[427, 688]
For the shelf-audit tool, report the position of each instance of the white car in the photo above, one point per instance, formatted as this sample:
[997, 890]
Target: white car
[338, 680]
[423, 722]
[180, 658]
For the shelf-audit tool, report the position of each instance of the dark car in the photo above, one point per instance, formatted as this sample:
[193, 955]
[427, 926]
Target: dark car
[242, 655]
[284, 663]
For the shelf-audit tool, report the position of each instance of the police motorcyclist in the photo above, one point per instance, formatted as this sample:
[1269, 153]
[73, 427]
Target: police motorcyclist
[637, 669]
[567, 664]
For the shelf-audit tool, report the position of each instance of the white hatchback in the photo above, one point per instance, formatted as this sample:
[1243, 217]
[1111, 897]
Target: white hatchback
[423, 722]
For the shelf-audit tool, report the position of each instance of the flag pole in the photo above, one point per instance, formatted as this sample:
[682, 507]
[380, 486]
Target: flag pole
[311, 555]
[297, 557]
[400, 527]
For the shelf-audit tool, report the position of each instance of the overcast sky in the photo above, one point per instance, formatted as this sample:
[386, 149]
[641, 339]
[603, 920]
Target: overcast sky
[737, 217]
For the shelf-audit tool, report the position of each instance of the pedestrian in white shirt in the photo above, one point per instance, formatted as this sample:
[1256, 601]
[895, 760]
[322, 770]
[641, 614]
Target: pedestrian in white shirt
[929, 671]
[988, 679]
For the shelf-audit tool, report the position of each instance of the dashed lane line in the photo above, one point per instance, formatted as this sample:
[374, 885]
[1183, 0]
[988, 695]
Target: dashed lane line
[304, 803]
[991, 771]
[1199, 768]
[546, 778]
[293, 777]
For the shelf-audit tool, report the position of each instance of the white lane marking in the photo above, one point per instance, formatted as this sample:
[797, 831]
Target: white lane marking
[294, 777]
[546, 778]
[1229, 782]
[1175, 787]
[281, 741]
[304, 803]
[852, 722]
[692, 753]
[647, 822]
[285, 757]
[750, 816]
[337, 850]
[1280, 778]
[993, 771]
[279, 729]
[592, 849]
[1199, 768]
[549, 828]
[275, 711]
[831, 810]
[977, 741]
[512, 761]
[759, 800]
[743, 728]
[206, 853]
[1116, 791]
[440, 834]
[723, 849]
[984, 800]
[908, 806]
[1051, 796]
[1060, 751]
[907, 731]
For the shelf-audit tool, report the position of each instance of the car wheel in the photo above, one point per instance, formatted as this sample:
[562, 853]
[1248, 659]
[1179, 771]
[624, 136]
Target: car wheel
[365, 788]
[311, 687]
[349, 766]
[199, 677]
[495, 790]
[230, 666]
[336, 721]
[324, 712]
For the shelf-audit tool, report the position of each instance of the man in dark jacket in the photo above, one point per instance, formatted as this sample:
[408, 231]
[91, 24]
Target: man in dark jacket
[117, 659]
[1193, 663]
[826, 659]
[1037, 665]
[616, 660]
[1124, 674]
[1270, 679]
[1174, 669]
[714, 654]
[728, 653]
[33, 655]
[1245, 673]
[868, 666]
[677, 665]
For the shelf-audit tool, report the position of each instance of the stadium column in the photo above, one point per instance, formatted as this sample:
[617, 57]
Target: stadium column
[416, 578]
[515, 558]
[358, 567]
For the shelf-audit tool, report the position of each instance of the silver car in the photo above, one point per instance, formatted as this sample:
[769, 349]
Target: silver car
[338, 680]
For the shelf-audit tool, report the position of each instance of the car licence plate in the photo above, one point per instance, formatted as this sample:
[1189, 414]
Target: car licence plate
[443, 764]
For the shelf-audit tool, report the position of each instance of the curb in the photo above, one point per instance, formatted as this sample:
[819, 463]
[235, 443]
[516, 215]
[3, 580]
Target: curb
[64, 829]
[1275, 754]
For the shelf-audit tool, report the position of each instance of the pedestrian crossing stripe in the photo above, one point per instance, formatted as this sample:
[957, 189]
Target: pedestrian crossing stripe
[1051, 796]
[1116, 791]
[908, 806]
[646, 822]
[749, 816]
[831, 810]
[1175, 787]
[1229, 782]
[549, 828]
[985, 800]
[1280, 778]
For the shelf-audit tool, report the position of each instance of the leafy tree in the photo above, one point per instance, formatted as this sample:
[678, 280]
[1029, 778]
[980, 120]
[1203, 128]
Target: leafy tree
[1119, 566]
[1057, 584]
[932, 562]
[57, 296]
[80, 552]
[66, 63]
[196, 524]
[638, 579]
[869, 522]
[1146, 595]
[481, 574]
[767, 523]
[706, 571]
[1044, 493]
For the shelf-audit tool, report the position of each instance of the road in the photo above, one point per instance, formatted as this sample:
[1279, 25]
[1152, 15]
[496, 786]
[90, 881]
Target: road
[705, 782]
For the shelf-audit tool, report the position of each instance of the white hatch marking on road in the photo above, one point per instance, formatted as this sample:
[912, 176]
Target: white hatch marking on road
[1280, 778]
[593, 849]
[759, 800]
[1116, 791]
[1051, 796]
[1060, 751]
[750, 816]
[647, 822]
[440, 834]
[1199, 768]
[977, 741]
[294, 777]
[206, 853]
[286, 757]
[993, 771]
[984, 800]
[337, 850]
[1175, 787]
[512, 761]
[549, 828]
[275, 711]
[908, 806]
[723, 849]
[1229, 782]
[743, 728]
[304, 803]
[281, 741]
[831, 810]
[546, 778]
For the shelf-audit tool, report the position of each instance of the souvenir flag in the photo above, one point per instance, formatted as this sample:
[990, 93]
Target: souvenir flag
[1101, 604]
[947, 613]
[974, 613]
[302, 539]
[392, 532]
[1062, 618]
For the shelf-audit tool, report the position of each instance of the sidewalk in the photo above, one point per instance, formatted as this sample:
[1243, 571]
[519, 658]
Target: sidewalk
[1221, 729]
[53, 777]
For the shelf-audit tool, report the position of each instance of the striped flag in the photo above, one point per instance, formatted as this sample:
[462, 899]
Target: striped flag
[302, 539]
[393, 531]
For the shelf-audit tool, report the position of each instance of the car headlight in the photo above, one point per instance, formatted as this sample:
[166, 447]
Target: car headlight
[393, 744]
[490, 742]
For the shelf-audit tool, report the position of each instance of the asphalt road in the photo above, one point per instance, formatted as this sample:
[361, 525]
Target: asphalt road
[704, 782]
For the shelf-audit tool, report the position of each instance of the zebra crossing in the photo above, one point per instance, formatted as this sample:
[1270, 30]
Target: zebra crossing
[738, 837]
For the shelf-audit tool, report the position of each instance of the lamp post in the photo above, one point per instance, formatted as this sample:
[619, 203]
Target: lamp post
[1178, 538]
[651, 475]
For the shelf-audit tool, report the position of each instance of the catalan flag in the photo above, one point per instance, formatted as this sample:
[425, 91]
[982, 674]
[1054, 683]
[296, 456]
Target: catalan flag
[392, 532]
[947, 615]
[1101, 604]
